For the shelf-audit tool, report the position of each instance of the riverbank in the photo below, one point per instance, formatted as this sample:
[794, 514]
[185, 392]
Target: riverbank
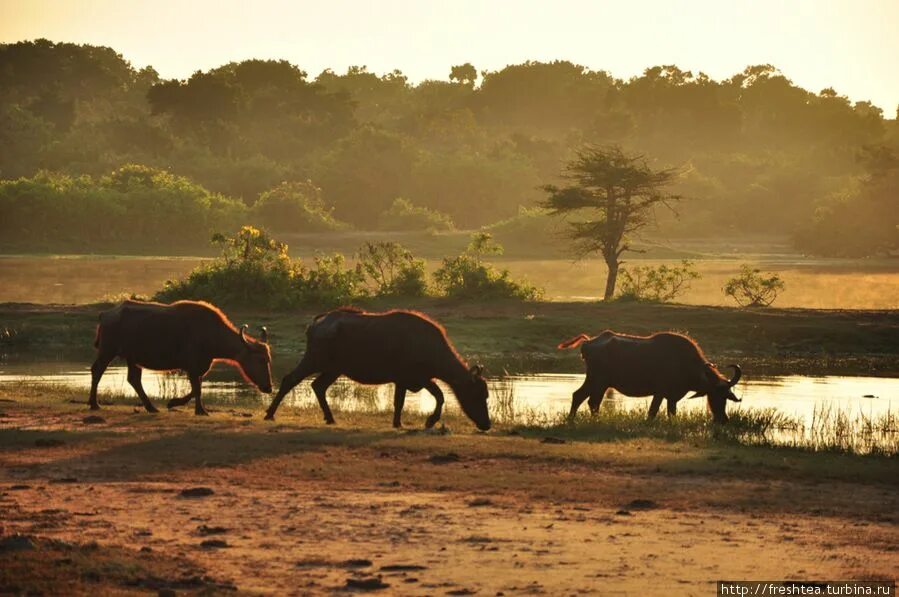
[136, 502]
[520, 337]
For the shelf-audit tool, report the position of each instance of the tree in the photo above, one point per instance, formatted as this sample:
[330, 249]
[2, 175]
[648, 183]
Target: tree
[466, 74]
[613, 194]
[751, 289]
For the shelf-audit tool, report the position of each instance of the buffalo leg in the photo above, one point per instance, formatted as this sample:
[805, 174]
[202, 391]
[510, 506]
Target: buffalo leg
[578, 397]
[399, 399]
[182, 400]
[597, 393]
[134, 375]
[672, 407]
[290, 381]
[655, 405]
[97, 370]
[196, 386]
[438, 410]
[320, 387]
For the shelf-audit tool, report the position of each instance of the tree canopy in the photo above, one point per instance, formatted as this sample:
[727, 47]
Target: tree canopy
[612, 195]
[764, 155]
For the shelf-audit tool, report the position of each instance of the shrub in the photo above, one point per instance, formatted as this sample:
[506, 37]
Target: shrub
[391, 270]
[294, 207]
[402, 215]
[329, 282]
[466, 276]
[253, 270]
[132, 207]
[751, 289]
[656, 284]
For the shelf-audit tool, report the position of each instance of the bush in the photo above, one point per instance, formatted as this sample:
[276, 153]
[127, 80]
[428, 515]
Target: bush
[466, 276]
[391, 270]
[329, 282]
[254, 270]
[752, 289]
[402, 215]
[656, 284]
[132, 207]
[294, 207]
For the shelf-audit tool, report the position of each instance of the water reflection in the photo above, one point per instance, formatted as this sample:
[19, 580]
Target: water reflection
[545, 394]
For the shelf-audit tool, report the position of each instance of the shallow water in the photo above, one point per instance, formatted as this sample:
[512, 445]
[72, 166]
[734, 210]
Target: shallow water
[547, 394]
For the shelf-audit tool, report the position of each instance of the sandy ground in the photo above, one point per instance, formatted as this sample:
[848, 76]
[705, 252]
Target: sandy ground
[294, 508]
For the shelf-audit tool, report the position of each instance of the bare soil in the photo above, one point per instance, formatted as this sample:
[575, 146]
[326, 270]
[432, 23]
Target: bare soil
[137, 503]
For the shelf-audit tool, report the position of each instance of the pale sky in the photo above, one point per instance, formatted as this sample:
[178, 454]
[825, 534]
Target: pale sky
[851, 45]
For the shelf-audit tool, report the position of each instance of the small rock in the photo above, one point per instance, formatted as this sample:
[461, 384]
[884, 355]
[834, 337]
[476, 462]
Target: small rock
[869, 396]
[146, 549]
[19, 487]
[444, 458]
[16, 542]
[65, 480]
[214, 544]
[460, 592]
[48, 442]
[356, 563]
[205, 530]
[196, 492]
[622, 513]
[553, 440]
[165, 593]
[402, 567]
[642, 505]
[479, 502]
[371, 583]
[93, 420]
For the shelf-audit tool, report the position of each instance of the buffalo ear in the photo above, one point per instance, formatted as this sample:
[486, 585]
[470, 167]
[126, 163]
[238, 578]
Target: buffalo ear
[476, 370]
[264, 336]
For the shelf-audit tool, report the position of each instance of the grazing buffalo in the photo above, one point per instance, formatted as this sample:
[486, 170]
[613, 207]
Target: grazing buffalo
[401, 347]
[663, 365]
[185, 335]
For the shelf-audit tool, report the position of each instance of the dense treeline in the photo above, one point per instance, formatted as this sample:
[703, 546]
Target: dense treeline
[760, 154]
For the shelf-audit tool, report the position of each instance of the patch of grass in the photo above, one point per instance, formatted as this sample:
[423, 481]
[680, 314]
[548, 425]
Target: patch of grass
[831, 430]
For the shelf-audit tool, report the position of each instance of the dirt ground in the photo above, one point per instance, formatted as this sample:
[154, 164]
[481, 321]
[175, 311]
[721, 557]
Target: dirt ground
[136, 503]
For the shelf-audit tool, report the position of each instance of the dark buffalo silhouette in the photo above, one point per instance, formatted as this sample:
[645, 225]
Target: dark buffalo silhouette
[186, 335]
[405, 348]
[663, 365]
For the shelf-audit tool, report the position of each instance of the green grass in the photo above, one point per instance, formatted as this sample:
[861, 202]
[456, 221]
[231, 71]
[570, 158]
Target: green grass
[831, 430]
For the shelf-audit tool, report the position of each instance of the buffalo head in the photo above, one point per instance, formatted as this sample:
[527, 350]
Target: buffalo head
[256, 360]
[472, 394]
[720, 391]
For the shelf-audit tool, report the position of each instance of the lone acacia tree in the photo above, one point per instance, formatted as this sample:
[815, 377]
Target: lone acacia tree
[612, 195]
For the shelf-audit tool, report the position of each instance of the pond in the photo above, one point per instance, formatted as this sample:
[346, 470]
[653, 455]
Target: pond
[544, 395]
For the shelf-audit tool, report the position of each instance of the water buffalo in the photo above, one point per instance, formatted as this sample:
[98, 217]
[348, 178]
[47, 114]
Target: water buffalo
[663, 365]
[405, 348]
[185, 335]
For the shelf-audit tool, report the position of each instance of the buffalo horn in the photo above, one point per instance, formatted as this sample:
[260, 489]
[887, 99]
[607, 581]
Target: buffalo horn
[738, 373]
[243, 334]
[264, 336]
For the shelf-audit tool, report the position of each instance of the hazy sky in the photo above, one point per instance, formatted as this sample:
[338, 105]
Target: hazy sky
[851, 45]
